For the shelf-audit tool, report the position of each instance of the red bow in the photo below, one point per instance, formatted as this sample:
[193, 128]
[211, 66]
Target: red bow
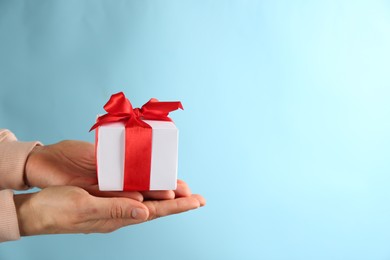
[138, 146]
[119, 108]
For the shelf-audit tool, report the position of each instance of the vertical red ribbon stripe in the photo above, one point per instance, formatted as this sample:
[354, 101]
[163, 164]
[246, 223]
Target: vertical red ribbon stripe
[138, 135]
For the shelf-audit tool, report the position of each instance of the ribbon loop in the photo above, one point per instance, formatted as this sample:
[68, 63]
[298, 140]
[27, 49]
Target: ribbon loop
[118, 104]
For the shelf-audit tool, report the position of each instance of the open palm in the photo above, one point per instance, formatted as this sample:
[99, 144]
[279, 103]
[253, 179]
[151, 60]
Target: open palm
[63, 163]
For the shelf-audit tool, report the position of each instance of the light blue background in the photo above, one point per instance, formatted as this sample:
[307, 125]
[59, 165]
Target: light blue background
[285, 129]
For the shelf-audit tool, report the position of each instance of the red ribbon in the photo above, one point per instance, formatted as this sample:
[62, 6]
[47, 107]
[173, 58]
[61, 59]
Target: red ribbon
[138, 135]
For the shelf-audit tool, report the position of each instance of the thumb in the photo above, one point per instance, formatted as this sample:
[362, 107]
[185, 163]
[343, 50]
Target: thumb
[119, 208]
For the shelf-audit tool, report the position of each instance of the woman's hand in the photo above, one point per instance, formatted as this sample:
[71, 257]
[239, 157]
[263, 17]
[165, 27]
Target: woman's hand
[73, 163]
[69, 209]
[63, 163]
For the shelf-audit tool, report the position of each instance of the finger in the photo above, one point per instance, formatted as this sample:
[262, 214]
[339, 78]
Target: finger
[128, 210]
[201, 199]
[182, 189]
[94, 190]
[158, 195]
[168, 207]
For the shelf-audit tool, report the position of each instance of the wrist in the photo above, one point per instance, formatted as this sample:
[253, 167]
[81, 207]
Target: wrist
[28, 224]
[30, 167]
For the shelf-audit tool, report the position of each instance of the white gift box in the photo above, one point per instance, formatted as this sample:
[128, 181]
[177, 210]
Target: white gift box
[110, 153]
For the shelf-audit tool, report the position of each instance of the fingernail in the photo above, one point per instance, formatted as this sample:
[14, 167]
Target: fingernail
[138, 214]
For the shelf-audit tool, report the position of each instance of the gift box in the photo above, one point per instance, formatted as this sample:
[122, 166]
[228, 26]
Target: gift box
[136, 149]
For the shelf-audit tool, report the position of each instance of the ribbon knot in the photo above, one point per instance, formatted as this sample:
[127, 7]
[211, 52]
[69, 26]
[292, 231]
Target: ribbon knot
[138, 113]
